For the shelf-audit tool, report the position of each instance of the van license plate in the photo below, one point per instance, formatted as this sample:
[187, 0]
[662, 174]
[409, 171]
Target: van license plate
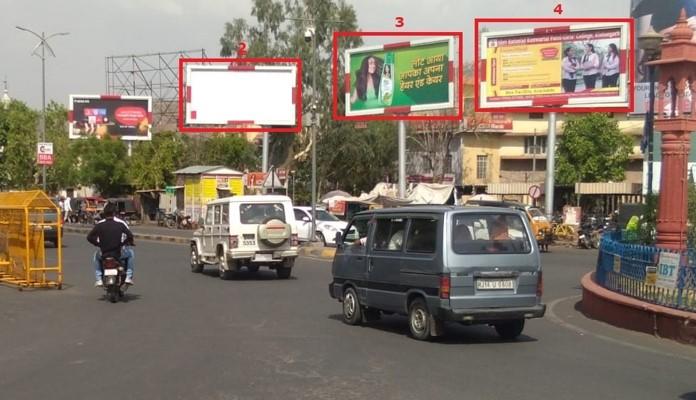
[495, 284]
[263, 257]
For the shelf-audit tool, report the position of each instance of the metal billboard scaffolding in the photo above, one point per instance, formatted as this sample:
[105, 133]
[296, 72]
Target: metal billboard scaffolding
[155, 75]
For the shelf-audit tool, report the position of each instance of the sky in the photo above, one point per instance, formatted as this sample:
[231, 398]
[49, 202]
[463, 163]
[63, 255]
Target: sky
[101, 28]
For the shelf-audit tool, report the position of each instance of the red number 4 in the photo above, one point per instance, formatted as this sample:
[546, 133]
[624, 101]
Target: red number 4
[558, 9]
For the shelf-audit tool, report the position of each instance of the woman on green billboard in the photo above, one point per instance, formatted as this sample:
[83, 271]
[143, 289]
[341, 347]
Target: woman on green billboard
[368, 79]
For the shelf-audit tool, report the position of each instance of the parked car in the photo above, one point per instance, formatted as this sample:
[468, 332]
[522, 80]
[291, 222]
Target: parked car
[541, 226]
[246, 232]
[326, 227]
[473, 265]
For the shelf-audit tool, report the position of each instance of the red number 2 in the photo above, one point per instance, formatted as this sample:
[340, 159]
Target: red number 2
[558, 9]
[241, 51]
[399, 22]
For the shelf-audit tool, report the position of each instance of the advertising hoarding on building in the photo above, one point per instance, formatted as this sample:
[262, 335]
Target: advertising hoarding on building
[567, 67]
[404, 77]
[124, 117]
[245, 95]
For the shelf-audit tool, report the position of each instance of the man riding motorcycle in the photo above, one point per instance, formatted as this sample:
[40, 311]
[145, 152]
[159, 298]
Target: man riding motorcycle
[113, 238]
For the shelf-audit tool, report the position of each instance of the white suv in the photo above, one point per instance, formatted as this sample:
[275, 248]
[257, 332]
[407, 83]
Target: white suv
[326, 228]
[246, 231]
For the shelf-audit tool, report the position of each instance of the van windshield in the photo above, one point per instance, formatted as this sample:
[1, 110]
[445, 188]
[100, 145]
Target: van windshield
[259, 213]
[489, 233]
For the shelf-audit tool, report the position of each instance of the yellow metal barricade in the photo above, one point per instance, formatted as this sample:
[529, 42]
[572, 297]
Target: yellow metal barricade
[26, 221]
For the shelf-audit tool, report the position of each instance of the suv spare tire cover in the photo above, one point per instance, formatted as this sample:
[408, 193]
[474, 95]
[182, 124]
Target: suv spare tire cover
[274, 232]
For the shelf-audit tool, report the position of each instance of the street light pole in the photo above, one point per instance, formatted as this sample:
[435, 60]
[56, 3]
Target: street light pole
[314, 134]
[42, 122]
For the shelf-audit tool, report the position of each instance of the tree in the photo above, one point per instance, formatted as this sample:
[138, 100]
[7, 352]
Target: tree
[275, 36]
[231, 151]
[153, 162]
[355, 160]
[592, 149]
[104, 164]
[64, 172]
[18, 126]
[432, 139]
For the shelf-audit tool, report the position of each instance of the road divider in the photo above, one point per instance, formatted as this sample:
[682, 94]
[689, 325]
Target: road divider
[326, 253]
[136, 235]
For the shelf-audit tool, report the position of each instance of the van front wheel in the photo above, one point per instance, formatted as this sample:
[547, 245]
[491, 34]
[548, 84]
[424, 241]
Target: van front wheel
[420, 321]
[510, 330]
[352, 310]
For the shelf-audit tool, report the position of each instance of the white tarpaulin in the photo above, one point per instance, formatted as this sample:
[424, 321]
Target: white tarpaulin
[430, 193]
[386, 194]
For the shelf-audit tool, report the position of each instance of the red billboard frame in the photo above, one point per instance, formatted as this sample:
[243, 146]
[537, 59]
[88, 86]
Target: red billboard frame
[395, 116]
[535, 109]
[241, 61]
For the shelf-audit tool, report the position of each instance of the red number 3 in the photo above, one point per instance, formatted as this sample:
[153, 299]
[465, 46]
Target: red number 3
[558, 9]
[241, 51]
[399, 22]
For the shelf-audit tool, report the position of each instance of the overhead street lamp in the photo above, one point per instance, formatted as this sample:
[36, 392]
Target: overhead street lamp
[43, 43]
[650, 42]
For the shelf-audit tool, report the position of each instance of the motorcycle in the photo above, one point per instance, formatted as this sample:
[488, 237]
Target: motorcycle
[114, 279]
[589, 234]
[166, 219]
[183, 221]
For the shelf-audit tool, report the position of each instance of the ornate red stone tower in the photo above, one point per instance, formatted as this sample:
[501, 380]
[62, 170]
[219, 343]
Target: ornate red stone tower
[677, 69]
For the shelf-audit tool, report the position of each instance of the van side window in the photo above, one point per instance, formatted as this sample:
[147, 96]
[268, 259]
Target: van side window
[389, 234]
[216, 213]
[226, 214]
[209, 215]
[356, 233]
[422, 235]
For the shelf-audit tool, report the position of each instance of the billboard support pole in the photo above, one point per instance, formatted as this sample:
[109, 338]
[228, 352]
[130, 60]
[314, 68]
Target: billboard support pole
[130, 148]
[264, 156]
[402, 159]
[550, 166]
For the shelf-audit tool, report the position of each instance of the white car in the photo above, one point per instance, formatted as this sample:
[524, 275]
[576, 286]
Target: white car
[326, 229]
[246, 231]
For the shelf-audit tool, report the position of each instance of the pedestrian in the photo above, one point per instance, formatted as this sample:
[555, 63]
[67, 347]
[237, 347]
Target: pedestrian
[67, 209]
[610, 67]
[590, 66]
[570, 67]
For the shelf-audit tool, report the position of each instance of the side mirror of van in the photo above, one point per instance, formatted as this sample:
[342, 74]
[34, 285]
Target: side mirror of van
[305, 219]
[339, 239]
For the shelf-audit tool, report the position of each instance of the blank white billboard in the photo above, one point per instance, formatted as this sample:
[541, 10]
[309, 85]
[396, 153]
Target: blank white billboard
[246, 94]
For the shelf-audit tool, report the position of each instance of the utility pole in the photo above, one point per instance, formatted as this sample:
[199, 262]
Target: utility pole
[43, 43]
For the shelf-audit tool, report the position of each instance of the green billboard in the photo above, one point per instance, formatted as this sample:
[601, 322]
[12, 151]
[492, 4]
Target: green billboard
[415, 75]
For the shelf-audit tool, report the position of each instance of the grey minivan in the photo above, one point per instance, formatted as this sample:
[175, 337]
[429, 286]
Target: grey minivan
[474, 265]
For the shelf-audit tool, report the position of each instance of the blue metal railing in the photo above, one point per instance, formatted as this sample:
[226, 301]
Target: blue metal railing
[623, 268]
